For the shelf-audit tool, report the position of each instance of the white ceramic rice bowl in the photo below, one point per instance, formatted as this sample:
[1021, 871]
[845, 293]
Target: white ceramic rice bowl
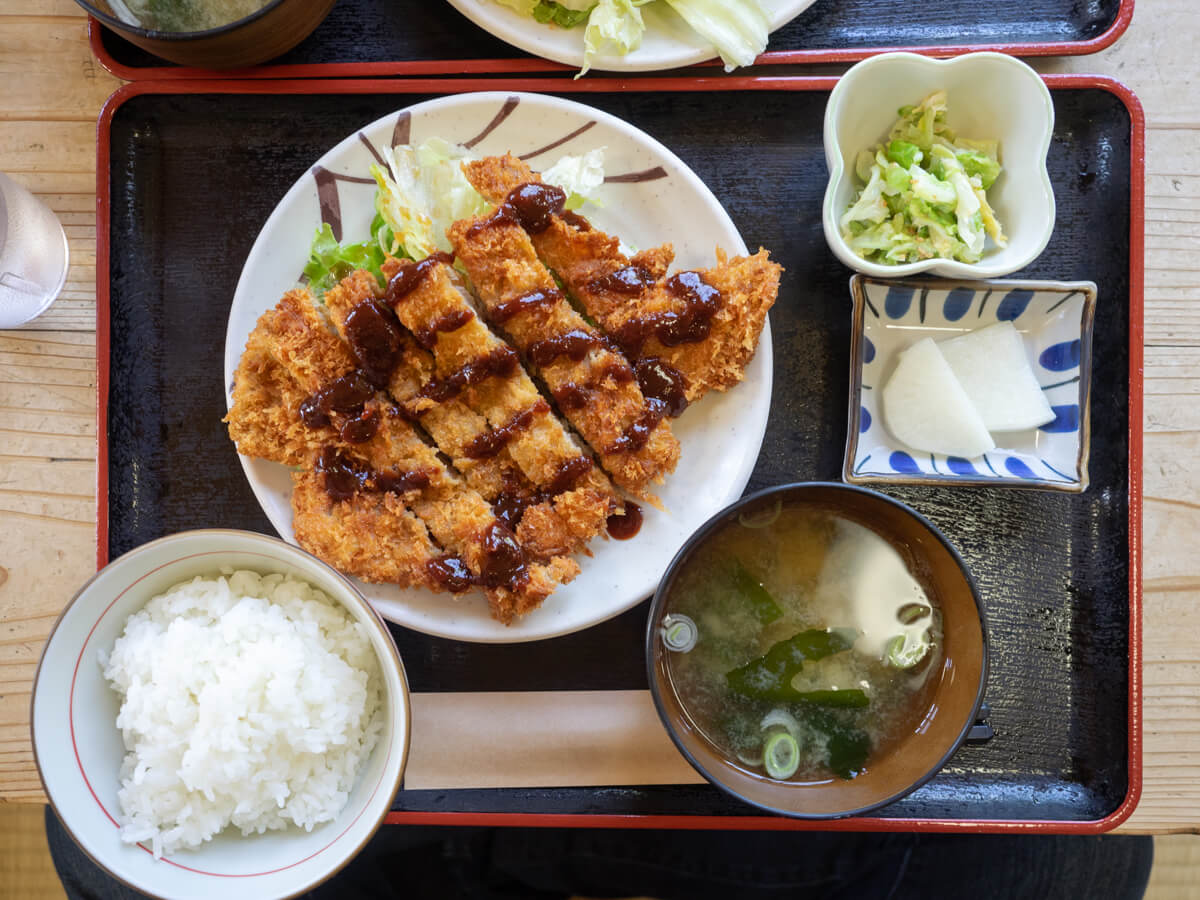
[78, 747]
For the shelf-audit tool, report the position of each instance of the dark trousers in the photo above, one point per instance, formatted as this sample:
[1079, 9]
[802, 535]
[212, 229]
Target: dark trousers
[541, 864]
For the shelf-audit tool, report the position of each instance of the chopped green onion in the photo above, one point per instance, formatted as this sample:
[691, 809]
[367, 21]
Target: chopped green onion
[781, 755]
[904, 653]
[679, 633]
[910, 613]
[781, 718]
[761, 518]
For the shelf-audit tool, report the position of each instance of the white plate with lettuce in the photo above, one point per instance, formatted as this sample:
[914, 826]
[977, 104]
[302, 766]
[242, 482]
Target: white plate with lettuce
[635, 35]
[650, 197]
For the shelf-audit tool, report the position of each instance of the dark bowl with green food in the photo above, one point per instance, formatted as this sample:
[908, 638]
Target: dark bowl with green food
[817, 650]
[212, 34]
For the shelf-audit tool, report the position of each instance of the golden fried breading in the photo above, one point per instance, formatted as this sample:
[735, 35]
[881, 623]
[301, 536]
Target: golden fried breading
[451, 423]
[556, 468]
[592, 382]
[392, 484]
[372, 535]
[625, 295]
[262, 420]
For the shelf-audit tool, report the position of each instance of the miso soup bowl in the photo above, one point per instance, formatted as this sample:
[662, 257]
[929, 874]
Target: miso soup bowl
[264, 34]
[913, 758]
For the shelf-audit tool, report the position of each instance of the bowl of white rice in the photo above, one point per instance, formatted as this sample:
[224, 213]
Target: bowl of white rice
[219, 713]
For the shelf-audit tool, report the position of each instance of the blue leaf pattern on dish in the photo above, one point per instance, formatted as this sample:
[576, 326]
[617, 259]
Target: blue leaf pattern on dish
[957, 304]
[1018, 468]
[864, 420]
[1013, 304]
[902, 462]
[868, 350]
[960, 466]
[897, 302]
[1066, 419]
[1060, 357]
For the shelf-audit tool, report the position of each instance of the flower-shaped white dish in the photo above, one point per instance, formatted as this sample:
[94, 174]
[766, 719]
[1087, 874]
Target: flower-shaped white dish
[79, 748]
[1054, 319]
[989, 96]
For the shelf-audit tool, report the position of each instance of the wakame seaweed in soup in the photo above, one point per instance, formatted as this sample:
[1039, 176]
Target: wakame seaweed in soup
[800, 643]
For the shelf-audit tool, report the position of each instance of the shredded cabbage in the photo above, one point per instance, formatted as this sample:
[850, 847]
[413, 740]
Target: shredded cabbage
[421, 191]
[924, 192]
[737, 28]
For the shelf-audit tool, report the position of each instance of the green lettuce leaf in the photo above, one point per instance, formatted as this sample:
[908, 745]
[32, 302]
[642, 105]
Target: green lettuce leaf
[329, 262]
[547, 11]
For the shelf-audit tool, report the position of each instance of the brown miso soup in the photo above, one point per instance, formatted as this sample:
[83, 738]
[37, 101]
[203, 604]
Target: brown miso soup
[800, 643]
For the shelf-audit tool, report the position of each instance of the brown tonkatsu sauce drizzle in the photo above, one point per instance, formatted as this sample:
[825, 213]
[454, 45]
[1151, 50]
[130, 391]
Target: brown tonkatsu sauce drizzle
[502, 312]
[489, 443]
[628, 280]
[361, 428]
[411, 274]
[451, 321]
[346, 476]
[533, 206]
[342, 395]
[659, 380]
[375, 338]
[574, 343]
[625, 526]
[700, 300]
[574, 219]
[514, 499]
[500, 361]
[451, 573]
[571, 395]
[504, 564]
[635, 436]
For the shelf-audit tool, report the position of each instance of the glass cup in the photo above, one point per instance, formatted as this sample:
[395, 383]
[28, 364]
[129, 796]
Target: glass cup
[33, 255]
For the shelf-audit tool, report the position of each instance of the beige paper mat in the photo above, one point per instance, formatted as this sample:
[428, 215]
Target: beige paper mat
[540, 739]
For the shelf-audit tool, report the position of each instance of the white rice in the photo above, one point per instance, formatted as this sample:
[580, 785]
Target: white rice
[246, 699]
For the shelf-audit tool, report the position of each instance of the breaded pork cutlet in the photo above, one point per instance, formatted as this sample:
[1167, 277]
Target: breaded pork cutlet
[704, 325]
[375, 481]
[459, 411]
[593, 385]
[567, 499]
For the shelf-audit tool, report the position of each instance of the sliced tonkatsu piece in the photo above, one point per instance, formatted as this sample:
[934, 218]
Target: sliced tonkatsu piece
[264, 419]
[371, 535]
[703, 325]
[593, 385]
[413, 385]
[374, 463]
[568, 499]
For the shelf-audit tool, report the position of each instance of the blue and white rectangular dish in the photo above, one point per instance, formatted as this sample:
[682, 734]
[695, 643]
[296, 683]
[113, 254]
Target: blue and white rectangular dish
[1054, 319]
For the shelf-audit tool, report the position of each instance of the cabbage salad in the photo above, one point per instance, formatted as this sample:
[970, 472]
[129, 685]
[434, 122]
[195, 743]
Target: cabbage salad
[420, 192]
[924, 192]
[737, 28]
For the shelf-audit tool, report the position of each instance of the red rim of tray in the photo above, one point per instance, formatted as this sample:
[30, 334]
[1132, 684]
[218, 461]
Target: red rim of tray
[525, 64]
[744, 83]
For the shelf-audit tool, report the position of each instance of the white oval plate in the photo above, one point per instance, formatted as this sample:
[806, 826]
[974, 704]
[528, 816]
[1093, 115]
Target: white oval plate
[654, 198]
[668, 41]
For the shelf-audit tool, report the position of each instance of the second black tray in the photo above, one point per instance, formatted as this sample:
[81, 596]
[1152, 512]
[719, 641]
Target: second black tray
[373, 37]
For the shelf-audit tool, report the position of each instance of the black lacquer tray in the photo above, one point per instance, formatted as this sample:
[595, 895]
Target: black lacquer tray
[188, 172]
[377, 37]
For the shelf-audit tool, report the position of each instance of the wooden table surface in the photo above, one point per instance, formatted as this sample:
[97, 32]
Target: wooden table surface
[53, 91]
